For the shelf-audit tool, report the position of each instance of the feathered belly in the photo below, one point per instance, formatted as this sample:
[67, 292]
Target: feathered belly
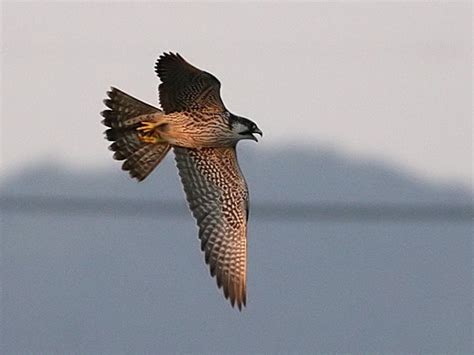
[185, 132]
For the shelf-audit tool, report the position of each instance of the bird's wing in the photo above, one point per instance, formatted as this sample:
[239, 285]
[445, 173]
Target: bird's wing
[185, 87]
[218, 198]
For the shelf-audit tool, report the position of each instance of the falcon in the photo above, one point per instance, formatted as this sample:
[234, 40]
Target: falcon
[203, 134]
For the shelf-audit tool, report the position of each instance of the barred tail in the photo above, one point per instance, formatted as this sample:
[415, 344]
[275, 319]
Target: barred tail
[123, 118]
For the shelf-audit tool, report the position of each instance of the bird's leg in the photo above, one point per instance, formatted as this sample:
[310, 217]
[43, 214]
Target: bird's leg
[148, 139]
[147, 132]
[147, 127]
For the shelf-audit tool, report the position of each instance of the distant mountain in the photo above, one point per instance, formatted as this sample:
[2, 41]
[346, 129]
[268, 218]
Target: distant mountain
[114, 282]
[284, 175]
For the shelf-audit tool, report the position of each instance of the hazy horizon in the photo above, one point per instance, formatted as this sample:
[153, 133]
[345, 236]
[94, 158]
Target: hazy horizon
[104, 271]
[383, 80]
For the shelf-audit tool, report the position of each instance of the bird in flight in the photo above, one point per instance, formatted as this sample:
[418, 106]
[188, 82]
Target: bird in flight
[203, 134]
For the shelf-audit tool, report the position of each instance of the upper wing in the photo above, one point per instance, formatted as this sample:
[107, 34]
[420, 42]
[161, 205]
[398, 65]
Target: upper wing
[185, 87]
[218, 197]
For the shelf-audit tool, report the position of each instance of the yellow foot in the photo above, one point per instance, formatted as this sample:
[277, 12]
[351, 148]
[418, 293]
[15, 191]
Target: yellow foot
[148, 139]
[147, 127]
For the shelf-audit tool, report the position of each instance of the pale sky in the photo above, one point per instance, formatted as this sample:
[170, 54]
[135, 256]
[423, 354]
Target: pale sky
[390, 81]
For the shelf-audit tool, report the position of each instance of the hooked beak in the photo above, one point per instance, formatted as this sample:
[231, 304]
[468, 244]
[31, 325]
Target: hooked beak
[257, 131]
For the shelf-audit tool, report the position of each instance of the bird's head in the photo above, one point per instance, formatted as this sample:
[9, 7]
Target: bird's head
[243, 128]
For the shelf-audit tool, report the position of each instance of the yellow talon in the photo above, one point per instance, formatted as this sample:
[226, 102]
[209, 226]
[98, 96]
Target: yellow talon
[147, 126]
[148, 139]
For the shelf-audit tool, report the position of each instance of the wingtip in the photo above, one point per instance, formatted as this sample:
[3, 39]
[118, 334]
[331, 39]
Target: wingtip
[241, 304]
[166, 56]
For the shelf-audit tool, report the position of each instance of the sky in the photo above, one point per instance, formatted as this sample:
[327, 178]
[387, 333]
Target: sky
[386, 81]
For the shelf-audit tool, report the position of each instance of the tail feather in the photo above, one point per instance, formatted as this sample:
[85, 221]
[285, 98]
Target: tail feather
[123, 117]
[123, 107]
[125, 145]
[141, 165]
